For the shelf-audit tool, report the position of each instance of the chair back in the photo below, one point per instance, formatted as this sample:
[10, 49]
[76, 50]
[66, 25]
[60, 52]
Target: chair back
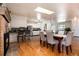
[42, 36]
[27, 31]
[69, 38]
[21, 30]
[49, 36]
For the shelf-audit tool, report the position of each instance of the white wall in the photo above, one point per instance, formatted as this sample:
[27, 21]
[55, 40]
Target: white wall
[21, 21]
[18, 21]
[75, 26]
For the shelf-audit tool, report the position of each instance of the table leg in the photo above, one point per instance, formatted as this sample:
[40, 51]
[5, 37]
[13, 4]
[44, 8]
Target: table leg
[59, 46]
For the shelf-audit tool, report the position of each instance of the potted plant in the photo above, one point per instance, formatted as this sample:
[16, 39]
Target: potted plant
[67, 30]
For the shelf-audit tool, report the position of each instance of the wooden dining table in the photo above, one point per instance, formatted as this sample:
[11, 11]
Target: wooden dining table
[59, 38]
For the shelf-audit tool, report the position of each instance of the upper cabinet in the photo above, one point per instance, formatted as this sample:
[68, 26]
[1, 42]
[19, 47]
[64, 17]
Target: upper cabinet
[5, 13]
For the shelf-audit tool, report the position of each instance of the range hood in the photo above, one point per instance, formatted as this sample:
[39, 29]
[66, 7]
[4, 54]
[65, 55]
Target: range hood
[5, 13]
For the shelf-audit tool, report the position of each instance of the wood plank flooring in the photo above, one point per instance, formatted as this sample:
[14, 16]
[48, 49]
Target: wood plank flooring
[33, 48]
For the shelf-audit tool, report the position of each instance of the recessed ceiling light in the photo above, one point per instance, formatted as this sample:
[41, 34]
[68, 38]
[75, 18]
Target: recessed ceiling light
[42, 10]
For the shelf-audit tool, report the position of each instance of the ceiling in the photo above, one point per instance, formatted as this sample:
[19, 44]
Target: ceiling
[65, 10]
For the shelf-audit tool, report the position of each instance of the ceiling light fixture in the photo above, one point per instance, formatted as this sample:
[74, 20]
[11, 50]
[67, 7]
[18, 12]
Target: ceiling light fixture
[42, 10]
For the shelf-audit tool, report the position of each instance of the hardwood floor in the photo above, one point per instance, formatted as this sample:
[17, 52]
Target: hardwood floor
[33, 48]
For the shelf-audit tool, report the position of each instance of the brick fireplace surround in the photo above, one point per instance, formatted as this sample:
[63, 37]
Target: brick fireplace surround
[2, 30]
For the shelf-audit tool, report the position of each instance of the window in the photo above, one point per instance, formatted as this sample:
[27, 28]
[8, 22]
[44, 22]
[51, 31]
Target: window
[61, 28]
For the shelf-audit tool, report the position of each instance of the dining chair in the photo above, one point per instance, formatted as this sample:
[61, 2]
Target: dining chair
[50, 39]
[42, 38]
[67, 42]
[28, 33]
[20, 34]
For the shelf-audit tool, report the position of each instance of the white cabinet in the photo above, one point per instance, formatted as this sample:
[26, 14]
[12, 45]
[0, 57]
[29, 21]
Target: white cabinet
[13, 37]
[36, 32]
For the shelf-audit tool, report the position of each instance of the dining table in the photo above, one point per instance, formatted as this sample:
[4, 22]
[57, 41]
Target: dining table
[59, 38]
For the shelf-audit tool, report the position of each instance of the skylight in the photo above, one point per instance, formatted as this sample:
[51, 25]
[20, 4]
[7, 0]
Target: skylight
[42, 10]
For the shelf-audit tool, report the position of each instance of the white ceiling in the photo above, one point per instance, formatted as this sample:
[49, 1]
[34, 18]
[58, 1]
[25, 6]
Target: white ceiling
[27, 9]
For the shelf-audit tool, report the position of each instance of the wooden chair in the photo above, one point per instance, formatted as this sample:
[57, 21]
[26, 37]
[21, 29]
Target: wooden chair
[27, 33]
[20, 34]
